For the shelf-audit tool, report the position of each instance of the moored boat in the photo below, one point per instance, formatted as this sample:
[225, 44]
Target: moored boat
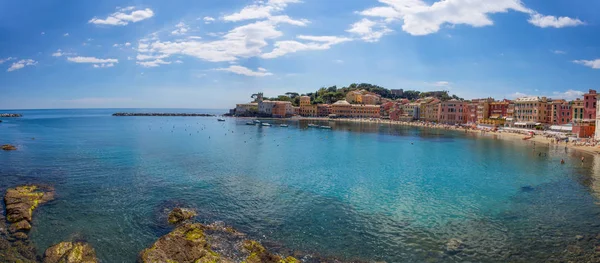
[256, 121]
[325, 127]
[266, 124]
[250, 123]
[283, 125]
[220, 119]
[312, 125]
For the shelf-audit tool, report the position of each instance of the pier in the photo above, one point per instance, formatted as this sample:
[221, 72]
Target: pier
[163, 114]
[10, 115]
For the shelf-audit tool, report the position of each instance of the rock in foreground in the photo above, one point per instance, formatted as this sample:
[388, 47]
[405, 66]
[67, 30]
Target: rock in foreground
[8, 147]
[20, 203]
[70, 252]
[187, 243]
[179, 215]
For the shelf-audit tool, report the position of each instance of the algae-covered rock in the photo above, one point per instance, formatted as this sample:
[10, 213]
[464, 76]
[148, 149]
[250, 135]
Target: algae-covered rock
[22, 200]
[258, 254]
[22, 225]
[179, 215]
[186, 243]
[8, 147]
[454, 246]
[70, 252]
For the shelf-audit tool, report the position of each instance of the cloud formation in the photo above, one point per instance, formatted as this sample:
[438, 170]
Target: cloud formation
[98, 62]
[368, 30]
[122, 18]
[261, 72]
[420, 18]
[595, 64]
[21, 64]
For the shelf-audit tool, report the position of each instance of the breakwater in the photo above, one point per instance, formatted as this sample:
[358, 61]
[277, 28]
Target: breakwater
[163, 114]
[10, 115]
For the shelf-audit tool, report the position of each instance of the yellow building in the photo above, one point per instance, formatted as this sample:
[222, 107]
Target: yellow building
[304, 100]
[354, 96]
[344, 109]
[370, 99]
[530, 111]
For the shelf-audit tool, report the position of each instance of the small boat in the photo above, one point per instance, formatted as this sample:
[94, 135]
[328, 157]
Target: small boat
[250, 123]
[220, 119]
[266, 124]
[283, 125]
[256, 121]
[312, 125]
[325, 127]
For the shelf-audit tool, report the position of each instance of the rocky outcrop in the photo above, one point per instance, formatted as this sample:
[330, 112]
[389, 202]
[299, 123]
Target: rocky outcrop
[454, 246]
[187, 243]
[179, 215]
[70, 252]
[8, 147]
[20, 202]
[198, 243]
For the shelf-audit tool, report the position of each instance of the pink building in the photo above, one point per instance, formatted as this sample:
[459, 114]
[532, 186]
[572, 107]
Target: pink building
[560, 112]
[589, 100]
[453, 112]
[471, 112]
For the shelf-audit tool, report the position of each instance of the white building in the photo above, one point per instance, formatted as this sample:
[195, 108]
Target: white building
[266, 107]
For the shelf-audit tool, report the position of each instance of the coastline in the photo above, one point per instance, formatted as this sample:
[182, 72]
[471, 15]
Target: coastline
[500, 134]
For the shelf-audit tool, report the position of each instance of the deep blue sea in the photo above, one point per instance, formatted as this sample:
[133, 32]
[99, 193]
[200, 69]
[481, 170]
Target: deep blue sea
[367, 192]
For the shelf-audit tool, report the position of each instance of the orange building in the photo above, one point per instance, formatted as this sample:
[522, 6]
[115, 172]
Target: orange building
[342, 108]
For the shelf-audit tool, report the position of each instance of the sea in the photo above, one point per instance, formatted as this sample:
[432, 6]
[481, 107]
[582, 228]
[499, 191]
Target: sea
[358, 192]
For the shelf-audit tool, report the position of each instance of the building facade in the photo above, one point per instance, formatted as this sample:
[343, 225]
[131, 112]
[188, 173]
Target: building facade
[323, 110]
[354, 96]
[370, 99]
[453, 112]
[589, 100]
[530, 111]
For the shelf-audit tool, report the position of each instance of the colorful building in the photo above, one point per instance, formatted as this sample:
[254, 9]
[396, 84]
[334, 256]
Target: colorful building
[343, 108]
[370, 99]
[471, 111]
[589, 100]
[530, 112]
[452, 112]
[430, 111]
[560, 112]
[244, 109]
[323, 110]
[578, 110]
[354, 96]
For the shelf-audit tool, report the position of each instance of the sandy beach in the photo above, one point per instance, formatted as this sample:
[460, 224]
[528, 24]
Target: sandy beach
[500, 134]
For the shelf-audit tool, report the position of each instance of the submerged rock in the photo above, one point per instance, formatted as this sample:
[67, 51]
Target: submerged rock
[8, 147]
[179, 215]
[186, 243]
[258, 254]
[70, 252]
[454, 246]
[21, 201]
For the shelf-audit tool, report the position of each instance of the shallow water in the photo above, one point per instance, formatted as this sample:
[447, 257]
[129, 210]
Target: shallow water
[356, 192]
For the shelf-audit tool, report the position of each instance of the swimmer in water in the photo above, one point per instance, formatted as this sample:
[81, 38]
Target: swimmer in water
[582, 158]
[562, 161]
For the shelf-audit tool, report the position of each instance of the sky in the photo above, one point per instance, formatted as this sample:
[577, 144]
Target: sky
[216, 53]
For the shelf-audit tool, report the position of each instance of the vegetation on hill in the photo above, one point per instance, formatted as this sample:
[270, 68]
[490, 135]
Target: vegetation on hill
[332, 94]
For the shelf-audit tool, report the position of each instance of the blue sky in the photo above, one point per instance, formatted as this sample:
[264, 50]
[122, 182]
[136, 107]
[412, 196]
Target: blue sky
[213, 54]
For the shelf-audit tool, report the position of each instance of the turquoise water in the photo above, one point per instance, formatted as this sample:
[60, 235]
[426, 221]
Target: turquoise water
[356, 192]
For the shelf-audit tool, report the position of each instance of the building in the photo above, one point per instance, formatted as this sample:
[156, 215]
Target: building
[387, 108]
[370, 99]
[483, 108]
[265, 107]
[304, 100]
[499, 109]
[278, 110]
[530, 112]
[597, 130]
[452, 112]
[306, 108]
[471, 112]
[430, 111]
[578, 110]
[589, 100]
[296, 110]
[397, 92]
[246, 109]
[342, 108]
[354, 96]
[323, 110]
[560, 112]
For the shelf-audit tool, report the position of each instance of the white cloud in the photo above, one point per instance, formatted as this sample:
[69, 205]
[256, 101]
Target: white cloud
[121, 18]
[43, 33]
[6, 59]
[266, 10]
[21, 64]
[65, 34]
[559, 52]
[152, 63]
[127, 44]
[369, 30]
[552, 21]
[292, 46]
[568, 95]
[60, 53]
[441, 83]
[339, 61]
[178, 61]
[104, 65]
[246, 71]
[595, 64]
[181, 29]
[518, 95]
[81, 59]
[421, 18]
[208, 19]
[195, 37]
